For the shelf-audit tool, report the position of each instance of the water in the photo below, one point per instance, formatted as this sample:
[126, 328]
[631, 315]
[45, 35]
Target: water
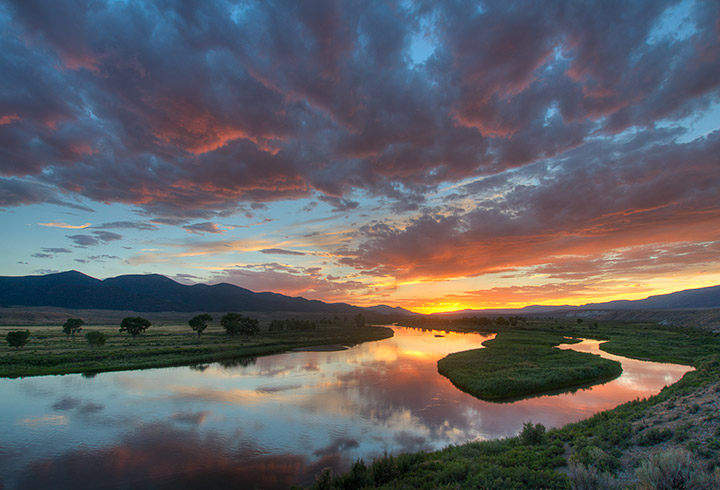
[271, 423]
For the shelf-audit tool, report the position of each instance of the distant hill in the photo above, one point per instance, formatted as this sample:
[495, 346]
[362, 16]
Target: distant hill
[150, 293]
[390, 310]
[690, 298]
[700, 298]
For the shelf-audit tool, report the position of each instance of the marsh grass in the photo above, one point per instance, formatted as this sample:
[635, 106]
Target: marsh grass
[518, 363]
[49, 351]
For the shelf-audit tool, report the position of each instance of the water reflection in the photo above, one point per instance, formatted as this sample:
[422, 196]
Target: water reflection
[272, 421]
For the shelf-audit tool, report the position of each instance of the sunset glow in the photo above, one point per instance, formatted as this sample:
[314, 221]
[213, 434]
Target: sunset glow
[435, 156]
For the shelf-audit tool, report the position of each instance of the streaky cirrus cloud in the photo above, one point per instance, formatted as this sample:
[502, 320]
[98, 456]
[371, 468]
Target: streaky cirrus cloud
[60, 224]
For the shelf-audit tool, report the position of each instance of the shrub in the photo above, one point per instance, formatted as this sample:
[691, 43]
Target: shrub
[18, 338]
[652, 436]
[588, 478]
[384, 469]
[95, 338]
[673, 469]
[532, 434]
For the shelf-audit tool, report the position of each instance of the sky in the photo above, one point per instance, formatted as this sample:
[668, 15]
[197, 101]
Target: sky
[430, 155]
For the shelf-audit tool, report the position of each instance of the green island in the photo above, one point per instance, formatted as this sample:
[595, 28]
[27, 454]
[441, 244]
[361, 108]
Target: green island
[50, 351]
[517, 364]
[671, 440]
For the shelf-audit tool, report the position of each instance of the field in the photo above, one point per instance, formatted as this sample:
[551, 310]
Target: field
[49, 351]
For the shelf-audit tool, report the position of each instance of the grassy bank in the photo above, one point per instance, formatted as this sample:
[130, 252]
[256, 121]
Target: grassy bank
[51, 352]
[676, 432]
[518, 363]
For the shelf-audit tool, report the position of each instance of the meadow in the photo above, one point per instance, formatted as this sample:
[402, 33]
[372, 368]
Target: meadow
[50, 351]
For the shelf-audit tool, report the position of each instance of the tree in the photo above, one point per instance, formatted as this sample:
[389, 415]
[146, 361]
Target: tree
[134, 325]
[235, 323]
[95, 338]
[199, 323]
[17, 338]
[72, 326]
[359, 320]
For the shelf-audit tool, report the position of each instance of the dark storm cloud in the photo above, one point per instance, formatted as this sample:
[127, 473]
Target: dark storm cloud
[189, 111]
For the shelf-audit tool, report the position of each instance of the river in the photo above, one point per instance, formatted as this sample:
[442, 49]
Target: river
[272, 422]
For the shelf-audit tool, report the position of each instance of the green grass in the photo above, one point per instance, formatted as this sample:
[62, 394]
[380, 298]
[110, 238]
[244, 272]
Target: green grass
[51, 352]
[534, 458]
[518, 363]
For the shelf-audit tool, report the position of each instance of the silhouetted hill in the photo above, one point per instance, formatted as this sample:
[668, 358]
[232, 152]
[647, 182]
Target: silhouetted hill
[690, 298]
[390, 310]
[700, 298]
[151, 292]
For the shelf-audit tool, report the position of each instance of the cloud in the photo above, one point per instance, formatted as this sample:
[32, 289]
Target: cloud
[96, 238]
[647, 195]
[254, 116]
[135, 225]
[59, 224]
[56, 250]
[308, 282]
[201, 228]
[279, 251]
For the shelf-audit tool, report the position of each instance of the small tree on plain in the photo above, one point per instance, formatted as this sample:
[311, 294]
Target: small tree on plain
[95, 339]
[72, 326]
[134, 325]
[199, 323]
[18, 338]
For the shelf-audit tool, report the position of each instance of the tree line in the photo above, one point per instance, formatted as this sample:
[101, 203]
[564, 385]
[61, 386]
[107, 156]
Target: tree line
[233, 323]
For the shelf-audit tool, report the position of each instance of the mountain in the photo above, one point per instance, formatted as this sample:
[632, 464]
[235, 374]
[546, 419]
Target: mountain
[149, 293]
[390, 310]
[690, 298]
[700, 298]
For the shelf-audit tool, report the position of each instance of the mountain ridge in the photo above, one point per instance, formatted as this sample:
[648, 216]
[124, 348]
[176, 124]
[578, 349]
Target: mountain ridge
[149, 293]
[155, 292]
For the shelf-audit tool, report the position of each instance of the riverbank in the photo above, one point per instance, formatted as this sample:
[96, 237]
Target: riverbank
[51, 352]
[677, 431]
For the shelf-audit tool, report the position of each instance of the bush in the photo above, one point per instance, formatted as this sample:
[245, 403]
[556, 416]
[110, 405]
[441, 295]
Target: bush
[95, 338]
[673, 469]
[18, 338]
[384, 469]
[532, 435]
[588, 478]
[653, 436]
